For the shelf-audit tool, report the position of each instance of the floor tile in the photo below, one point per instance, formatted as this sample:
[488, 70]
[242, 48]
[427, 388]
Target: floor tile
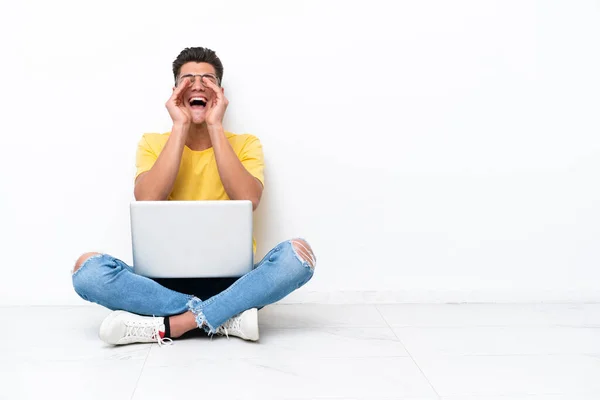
[500, 340]
[311, 343]
[525, 397]
[512, 375]
[452, 315]
[308, 351]
[73, 336]
[295, 377]
[108, 379]
[320, 315]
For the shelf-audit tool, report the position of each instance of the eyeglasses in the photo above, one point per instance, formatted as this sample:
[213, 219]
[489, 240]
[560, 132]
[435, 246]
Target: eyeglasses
[192, 78]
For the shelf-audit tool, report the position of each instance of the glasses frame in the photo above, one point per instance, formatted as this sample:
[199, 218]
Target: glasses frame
[180, 79]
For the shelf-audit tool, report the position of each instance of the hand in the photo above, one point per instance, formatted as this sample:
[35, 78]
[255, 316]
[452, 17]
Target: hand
[176, 107]
[215, 109]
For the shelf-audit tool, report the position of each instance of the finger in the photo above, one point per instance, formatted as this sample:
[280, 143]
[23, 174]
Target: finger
[178, 90]
[215, 98]
[209, 84]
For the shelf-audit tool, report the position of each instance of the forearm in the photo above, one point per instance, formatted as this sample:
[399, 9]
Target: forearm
[157, 183]
[239, 184]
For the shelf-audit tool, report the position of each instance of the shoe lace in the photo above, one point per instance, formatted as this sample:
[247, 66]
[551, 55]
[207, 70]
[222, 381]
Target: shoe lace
[144, 330]
[233, 325]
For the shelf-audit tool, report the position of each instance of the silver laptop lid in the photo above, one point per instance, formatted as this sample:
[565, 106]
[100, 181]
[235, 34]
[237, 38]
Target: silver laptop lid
[190, 239]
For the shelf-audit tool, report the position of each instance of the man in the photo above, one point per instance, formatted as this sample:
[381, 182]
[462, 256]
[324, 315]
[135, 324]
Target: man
[197, 160]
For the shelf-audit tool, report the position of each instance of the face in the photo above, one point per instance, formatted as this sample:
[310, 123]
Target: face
[196, 96]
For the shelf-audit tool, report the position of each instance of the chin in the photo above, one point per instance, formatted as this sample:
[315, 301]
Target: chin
[198, 118]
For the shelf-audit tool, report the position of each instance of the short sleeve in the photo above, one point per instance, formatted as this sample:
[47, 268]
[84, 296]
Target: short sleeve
[145, 157]
[252, 158]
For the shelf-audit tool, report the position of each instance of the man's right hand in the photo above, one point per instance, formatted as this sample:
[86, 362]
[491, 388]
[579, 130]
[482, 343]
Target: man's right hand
[176, 107]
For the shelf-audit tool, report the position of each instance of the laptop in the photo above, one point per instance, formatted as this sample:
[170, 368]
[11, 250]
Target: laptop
[192, 239]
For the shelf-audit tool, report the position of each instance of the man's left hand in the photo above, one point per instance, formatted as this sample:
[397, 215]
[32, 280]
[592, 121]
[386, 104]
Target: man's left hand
[217, 105]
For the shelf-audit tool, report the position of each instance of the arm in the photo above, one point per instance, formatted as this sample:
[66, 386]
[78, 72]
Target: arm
[157, 183]
[239, 184]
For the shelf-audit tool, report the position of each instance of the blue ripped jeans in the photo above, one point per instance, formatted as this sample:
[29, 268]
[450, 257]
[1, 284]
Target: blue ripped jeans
[110, 282]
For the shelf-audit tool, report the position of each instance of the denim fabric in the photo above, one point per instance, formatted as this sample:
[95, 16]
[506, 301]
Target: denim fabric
[278, 274]
[110, 282]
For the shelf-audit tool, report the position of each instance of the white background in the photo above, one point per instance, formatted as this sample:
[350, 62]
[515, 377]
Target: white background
[429, 150]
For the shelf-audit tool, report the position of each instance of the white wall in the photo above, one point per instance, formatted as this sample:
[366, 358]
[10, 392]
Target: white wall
[429, 150]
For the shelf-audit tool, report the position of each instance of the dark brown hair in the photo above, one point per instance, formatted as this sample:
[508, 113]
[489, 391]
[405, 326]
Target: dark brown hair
[198, 54]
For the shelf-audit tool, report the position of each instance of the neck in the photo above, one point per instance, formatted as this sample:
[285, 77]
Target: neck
[198, 138]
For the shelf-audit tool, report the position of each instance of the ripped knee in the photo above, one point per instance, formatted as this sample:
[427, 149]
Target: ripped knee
[304, 251]
[83, 258]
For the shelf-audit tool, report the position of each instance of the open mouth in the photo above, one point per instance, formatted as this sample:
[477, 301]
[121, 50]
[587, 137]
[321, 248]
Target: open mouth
[198, 102]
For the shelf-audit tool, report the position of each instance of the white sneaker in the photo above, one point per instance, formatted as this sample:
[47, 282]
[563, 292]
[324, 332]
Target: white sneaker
[244, 325]
[122, 327]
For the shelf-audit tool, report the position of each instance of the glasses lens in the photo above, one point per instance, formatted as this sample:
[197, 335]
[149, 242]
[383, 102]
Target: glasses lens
[183, 78]
[211, 78]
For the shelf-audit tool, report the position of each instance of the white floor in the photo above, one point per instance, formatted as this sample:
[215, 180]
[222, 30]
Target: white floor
[452, 352]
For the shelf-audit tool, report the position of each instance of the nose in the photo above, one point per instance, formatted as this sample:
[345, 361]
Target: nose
[197, 83]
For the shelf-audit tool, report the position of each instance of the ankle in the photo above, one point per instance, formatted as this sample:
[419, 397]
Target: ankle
[182, 323]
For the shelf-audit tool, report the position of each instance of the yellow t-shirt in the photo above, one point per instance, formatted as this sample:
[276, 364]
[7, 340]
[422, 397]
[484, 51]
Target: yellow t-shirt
[198, 177]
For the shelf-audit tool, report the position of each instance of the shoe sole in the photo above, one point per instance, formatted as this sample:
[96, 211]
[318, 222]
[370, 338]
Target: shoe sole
[104, 327]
